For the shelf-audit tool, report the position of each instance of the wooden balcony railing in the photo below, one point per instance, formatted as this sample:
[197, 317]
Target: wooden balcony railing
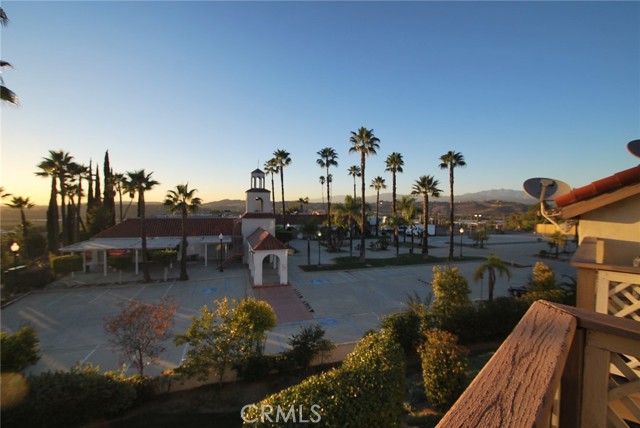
[560, 367]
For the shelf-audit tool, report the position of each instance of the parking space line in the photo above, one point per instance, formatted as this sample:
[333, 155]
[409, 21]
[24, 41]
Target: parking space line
[90, 354]
[58, 299]
[167, 291]
[184, 353]
[99, 296]
[139, 291]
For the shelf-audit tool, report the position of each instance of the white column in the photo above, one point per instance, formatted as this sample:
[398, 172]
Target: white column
[206, 257]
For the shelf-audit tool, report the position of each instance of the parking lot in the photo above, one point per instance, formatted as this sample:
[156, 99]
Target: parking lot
[69, 318]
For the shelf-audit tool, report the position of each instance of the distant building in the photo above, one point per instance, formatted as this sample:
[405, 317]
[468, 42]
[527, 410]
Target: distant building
[221, 240]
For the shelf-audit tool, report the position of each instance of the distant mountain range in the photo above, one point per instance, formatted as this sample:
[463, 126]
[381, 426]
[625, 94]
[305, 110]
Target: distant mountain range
[489, 203]
[505, 195]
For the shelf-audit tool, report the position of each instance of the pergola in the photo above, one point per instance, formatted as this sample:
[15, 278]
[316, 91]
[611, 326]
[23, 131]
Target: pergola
[105, 245]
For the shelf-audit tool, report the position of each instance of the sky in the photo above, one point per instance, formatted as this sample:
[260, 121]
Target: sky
[204, 92]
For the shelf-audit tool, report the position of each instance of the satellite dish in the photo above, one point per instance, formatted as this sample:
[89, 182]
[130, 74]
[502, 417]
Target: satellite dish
[545, 189]
[634, 148]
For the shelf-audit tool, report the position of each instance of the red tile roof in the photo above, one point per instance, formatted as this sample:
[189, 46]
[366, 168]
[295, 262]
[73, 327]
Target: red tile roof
[171, 226]
[600, 187]
[261, 240]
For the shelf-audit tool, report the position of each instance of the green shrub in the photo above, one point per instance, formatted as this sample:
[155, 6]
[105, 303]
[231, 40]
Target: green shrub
[444, 369]
[404, 328]
[120, 263]
[285, 235]
[256, 367]
[33, 277]
[70, 399]
[66, 264]
[19, 350]
[307, 344]
[366, 391]
[164, 257]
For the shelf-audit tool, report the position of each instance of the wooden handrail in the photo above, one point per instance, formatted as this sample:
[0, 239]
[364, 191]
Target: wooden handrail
[518, 386]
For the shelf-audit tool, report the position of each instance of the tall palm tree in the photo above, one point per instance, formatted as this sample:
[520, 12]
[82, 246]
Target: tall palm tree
[492, 265]
[6, 94]
[394, 163]
[328, 158]
[181, 200]
[142, 182]
[55, 167]
[271, 167]
[451, 160]
[354, 171]
[363, 141]
[426, 186]
[120, 186]
[322, 181]
[77, 173]
[20, 203]
[283, 159]
[378, 184]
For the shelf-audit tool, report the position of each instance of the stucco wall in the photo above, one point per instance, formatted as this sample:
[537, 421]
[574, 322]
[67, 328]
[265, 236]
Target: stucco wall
[619, 225]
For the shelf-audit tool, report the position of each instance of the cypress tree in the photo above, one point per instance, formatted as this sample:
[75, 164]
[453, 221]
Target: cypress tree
[108, 201]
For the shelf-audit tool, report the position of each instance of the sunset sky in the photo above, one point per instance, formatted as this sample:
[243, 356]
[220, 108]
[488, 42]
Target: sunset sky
[204, 92]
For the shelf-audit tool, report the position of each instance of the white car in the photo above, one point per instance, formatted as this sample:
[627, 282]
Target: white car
[417, 231]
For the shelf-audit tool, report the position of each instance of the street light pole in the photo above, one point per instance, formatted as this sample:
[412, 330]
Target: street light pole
[220, 237]
[461, 233]
[319, 239]
[14, 249]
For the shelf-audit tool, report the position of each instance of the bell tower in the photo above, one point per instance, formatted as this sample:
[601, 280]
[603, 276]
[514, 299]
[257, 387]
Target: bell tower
[258, 197]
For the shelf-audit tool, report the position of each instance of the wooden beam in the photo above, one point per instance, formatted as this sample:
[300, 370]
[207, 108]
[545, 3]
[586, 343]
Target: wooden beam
[516, 387]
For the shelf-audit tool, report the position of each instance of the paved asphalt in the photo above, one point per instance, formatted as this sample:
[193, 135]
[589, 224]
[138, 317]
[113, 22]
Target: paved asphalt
[69, 316]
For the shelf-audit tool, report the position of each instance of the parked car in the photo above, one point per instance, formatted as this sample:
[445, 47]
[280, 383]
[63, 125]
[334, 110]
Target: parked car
[518, 291]
[416, 230]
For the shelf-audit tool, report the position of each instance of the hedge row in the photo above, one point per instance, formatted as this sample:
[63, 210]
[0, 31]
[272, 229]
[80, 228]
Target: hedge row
[366, 391]
[71, 399]
[66, 264]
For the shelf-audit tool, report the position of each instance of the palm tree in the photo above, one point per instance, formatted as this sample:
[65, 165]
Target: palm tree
[4, 194]
[301, 203]
[364, 142]
[322, 181]
[6, 94]
[556, 240]
[492, 265]
[426, 186]
[77, 173]
[328, 158]
[20, 203]
[142, 182]
[55, 166]
[181, 200]
[283, 159]
[378, 184]
[394, 164]
[451, 160]
[120, 185]
[271, 167]
[354, 171]
[407, 208]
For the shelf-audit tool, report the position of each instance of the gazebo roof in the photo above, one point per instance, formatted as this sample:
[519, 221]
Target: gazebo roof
[262, 240]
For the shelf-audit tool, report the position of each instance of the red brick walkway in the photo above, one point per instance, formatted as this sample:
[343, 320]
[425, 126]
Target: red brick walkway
[287, 306]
